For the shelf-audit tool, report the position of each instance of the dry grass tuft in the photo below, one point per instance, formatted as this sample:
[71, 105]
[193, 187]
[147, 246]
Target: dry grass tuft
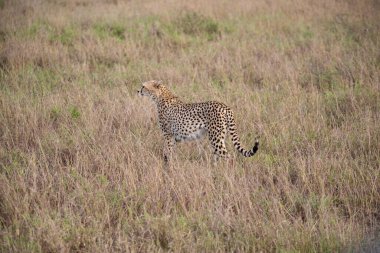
[80, 153]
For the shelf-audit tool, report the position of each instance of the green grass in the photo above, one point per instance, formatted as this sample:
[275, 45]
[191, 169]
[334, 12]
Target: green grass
[115, 30]
[66, 36]
[74, 112]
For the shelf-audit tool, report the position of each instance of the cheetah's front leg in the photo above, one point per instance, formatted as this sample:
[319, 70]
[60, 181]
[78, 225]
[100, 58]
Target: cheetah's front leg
[168, 147]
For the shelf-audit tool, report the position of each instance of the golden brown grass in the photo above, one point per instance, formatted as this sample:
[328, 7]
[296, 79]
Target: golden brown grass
[80, 153]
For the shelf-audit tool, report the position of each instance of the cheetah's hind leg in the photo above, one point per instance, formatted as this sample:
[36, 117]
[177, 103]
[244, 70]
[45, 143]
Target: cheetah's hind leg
[218, 143]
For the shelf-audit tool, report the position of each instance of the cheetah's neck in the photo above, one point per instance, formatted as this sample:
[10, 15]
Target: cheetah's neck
[168, 99]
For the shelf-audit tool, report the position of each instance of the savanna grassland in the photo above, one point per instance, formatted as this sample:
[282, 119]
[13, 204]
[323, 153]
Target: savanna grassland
[80, 152]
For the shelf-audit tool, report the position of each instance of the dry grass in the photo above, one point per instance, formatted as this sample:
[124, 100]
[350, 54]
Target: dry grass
[80, 153]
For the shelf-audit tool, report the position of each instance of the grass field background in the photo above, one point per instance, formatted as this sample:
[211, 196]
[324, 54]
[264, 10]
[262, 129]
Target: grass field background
[80, 152]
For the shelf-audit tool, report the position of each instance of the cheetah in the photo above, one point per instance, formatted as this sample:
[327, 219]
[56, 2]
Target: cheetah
[181, 121]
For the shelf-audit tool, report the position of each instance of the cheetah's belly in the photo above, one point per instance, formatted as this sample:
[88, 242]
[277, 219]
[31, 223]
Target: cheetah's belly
[197, 134]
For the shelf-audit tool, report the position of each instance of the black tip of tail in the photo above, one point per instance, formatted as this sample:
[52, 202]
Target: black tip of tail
[255, 147]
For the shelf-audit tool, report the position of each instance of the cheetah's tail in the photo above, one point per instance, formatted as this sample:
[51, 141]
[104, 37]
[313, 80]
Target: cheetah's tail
[236, 139]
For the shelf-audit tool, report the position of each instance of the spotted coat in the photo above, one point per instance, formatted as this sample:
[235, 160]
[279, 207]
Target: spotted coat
[181, 121]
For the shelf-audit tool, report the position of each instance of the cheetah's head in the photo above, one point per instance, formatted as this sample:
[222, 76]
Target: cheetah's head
[152, 89]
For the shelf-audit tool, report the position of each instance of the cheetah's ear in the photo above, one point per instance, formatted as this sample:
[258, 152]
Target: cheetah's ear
[157, 83]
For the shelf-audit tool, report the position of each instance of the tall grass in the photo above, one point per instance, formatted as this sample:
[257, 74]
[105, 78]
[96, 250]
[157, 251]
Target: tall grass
[80, 153]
